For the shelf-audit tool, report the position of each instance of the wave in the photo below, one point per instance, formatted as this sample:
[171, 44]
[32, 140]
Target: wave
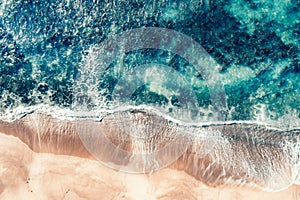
[290, 121]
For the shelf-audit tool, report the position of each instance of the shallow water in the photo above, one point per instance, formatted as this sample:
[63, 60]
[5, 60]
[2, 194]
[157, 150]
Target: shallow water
[45, 45]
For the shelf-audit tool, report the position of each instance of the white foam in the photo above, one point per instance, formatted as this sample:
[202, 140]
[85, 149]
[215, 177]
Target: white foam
[290, 121]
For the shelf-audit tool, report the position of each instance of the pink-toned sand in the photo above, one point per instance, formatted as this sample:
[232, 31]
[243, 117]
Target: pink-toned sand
[25, 174]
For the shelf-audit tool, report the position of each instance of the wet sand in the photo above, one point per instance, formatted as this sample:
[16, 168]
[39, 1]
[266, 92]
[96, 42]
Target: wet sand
[46, 167]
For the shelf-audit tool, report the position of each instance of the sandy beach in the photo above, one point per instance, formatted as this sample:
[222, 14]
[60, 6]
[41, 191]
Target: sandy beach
[47, 160]
[28, 175]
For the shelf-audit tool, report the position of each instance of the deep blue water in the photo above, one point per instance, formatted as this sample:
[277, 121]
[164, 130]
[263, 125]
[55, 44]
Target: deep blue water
[255, 43]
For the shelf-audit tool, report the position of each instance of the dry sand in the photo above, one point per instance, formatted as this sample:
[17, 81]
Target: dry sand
[25, 174]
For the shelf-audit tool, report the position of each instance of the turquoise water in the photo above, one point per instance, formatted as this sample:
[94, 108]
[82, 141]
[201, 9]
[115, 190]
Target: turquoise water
[45, 45]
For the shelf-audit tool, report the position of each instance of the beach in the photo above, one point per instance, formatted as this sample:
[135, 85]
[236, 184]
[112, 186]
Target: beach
[62, 172]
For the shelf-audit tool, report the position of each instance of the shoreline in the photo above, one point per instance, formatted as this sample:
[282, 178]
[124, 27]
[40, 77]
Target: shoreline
[44, 134]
